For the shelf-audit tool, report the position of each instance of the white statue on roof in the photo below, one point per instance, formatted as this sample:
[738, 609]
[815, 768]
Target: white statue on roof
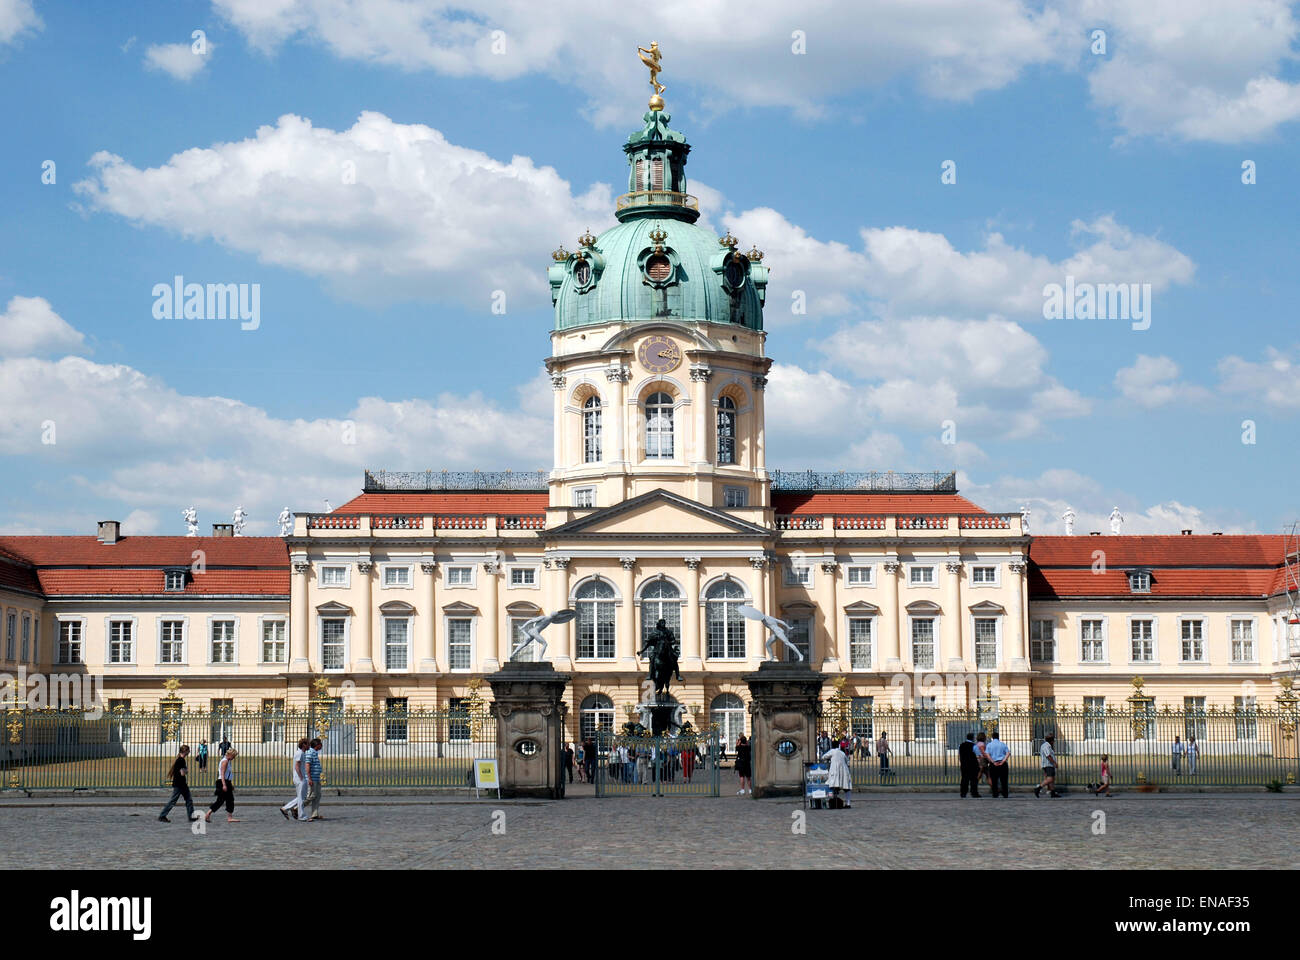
[191, 516]
[238, 518]
[1068, 519]
[285, 519]
[1024, 518]
[1116, 521]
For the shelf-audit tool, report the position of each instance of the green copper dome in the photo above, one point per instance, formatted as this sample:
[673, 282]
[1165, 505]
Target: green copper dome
[656, 263]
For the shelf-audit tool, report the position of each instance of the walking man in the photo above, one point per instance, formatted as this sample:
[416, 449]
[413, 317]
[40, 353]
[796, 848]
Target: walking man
[1177, 756]
[999, 755]
[299, 768]
[1047, 753]
[568, 760]
[970, 767]
[883, 752]
[312, 759]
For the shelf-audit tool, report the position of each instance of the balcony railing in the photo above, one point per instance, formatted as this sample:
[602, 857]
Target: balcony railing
[529, 522]
[460, 522]
[922, 523]
[792, 522]
[669, 198]
[860, 522]
[887, 482]
[986, 521]
[382, 480]
[332, 521]
[397, 523]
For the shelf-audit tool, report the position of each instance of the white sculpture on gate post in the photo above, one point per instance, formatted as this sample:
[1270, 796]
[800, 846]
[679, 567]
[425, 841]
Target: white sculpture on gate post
[532, 630]
[777, 630]
[285, 519]
[1068, 518]
[191, 516]
[1024, 518]
[1116, 521]
[237, 520]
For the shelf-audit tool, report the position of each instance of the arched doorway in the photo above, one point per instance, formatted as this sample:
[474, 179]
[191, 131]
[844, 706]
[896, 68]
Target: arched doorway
[728, 712]
[595, 713]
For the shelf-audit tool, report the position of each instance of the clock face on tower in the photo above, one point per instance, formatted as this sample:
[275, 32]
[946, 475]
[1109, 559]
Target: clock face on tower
[659, 354]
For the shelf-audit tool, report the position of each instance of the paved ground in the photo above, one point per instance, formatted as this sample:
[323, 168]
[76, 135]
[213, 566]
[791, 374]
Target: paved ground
[918, 830]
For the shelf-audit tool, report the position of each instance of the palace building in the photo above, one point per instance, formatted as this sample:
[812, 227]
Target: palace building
[659, 503]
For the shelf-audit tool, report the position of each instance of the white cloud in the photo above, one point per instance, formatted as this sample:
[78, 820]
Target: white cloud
[383, 210]
[17, 17]
[1153, 382]
[177, 60]
[30, 327]
[1274, 381]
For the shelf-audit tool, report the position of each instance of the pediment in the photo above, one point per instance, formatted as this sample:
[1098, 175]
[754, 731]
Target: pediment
[923, 607]
[522, 608]
[862, 607]
[396, 608]
[654, 513]
[987, 606]
[333, 607]
[459, 607]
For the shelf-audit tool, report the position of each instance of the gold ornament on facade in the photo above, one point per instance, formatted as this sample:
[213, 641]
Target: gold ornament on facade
[475, 707]
[658, 237]
[587, 239]
[728, 241]
[755, 255]
[560, 255]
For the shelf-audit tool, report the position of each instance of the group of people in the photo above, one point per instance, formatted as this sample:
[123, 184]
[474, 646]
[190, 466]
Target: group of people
[984, 758]
[306, 772]
[626, 763]
[850, 744]
[1191, 750]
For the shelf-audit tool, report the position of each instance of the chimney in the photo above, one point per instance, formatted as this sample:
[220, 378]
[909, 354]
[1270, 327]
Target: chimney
[1094, 533]
[110, 531]
[223, 529]
[1187, 533]
[1217, 533]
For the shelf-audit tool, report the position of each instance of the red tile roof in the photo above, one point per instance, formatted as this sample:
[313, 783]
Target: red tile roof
[17, 574]
[802, 504]
[1181, 551]
[106, 581]
[433, 504]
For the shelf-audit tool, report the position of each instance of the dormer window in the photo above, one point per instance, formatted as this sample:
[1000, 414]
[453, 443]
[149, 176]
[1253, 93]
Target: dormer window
[1139, 581]
[174, 580]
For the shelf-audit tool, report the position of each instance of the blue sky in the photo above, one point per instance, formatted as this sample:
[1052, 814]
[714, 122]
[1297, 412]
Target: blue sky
[477, 152]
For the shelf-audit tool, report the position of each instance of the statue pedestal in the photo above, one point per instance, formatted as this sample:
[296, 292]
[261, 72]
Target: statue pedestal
[783, 707]
[529, 710]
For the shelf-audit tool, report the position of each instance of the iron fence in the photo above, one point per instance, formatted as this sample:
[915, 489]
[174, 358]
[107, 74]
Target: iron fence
[64, 749]
[648, 766]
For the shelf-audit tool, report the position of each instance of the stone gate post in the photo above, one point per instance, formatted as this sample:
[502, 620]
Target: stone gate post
[783, 707]
[528, 704]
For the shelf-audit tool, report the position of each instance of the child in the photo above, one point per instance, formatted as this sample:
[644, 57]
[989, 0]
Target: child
[1105, 776]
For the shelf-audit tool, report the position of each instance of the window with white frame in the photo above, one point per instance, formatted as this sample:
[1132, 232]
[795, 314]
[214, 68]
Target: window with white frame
[798, 574]
[923, 642]
[523, 576]
[861, 720]
[920, 575]
[735, 497]
[926, 717]
[459, 725]
[27, 637]
[273, 722]
[859, 575]
[461, 575]
[1243, 641]
[397, 643]
[223, 641]
[397, 576]
[530, 653]
[121, 641]
[1142, 641]
[1193, 637]
[595, 715]
[660, 600]
[1094, 718]
[659, 427]
[1243, 709]
[1194, 723]
[171, 641]
[801, 637]
[1092, 641]
[275, 648]
[984, 574]
[460, 639]
[591, 430]
[11, 635]
[1042, 640]
[70, 637]
[726, 430]
[594, 601]
[584, 497]
[174, 580]
[1139, 581]
[395, 723]
[986, 643]
[725, 626]
[334, 575]
[860, 643]
[333, 643]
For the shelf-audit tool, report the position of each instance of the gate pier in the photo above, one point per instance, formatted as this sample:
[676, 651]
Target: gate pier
[529, 709]
[784, 700]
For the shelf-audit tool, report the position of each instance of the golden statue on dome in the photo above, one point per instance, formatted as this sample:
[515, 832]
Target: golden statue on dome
[651, 58]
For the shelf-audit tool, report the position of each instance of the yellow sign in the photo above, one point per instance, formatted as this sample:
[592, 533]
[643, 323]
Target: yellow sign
[485, 775]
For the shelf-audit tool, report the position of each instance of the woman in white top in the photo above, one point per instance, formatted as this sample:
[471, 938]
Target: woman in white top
[839, 780]
[1193, 751]
[225, 788]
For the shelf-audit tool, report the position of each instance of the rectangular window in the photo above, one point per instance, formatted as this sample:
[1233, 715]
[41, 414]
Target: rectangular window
[656, 173]
[121, 641]
[1193, 641]
[223, 721]
[860, 720]
[272, 721]
[986, 643]
[1243, 709]
[860, 576]
[726, 631]
[798, 576]
[1142, 640]
[27, 637]
[596, 630]
[1243, 641]
[1042, 640]
[175, 580]
[984, 575]
[335, 575]
[1094, 718]
[1139, 581]
[11, 636]
[530, 653]
[925, 718]
[523, 576]
[459, 636]
[462, 576]
[1194, 717]
[223, 641]
[920, 576]
[584, 497]
[397, 576]
[70, 641]
[458, 725]
[396, 643]
[1092, 644]
[333, 640]
[395, 730]
[36, 641]
[923, 643]
[119, 721]
[801, 636]
[860, 643]
[1043, 719]
[275, 649]
[171, 647]
[735, 497]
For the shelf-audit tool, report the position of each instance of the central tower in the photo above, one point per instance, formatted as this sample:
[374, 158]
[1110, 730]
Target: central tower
[657, 352]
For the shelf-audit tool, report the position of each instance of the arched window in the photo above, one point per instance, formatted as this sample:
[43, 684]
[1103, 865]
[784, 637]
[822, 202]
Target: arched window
[591, 430]
[659, 427]
[725, 624]
[594, 601]
[661, 599]
[596, 713]
[726, 430]
[728, 712]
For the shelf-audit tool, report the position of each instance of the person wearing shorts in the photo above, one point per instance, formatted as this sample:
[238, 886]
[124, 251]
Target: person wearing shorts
[1047, 753]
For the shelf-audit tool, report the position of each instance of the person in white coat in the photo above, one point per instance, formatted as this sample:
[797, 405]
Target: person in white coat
[839, 780]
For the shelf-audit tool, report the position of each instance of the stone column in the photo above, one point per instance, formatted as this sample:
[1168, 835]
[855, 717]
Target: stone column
[892, 620]
[617, 377]
[490, 641]
[365, 640]
[560, 635]
[828, 599]
[627, 622]
[764, 600]
[299, 617]
[783, 710]
[760, 455]
[528, 704]
[953, 620]
[1017, 659]
[557, 431]
[691, 643]
[427, 661]
[700, 374]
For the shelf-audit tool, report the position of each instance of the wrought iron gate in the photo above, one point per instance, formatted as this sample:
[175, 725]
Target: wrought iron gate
[664, 766]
